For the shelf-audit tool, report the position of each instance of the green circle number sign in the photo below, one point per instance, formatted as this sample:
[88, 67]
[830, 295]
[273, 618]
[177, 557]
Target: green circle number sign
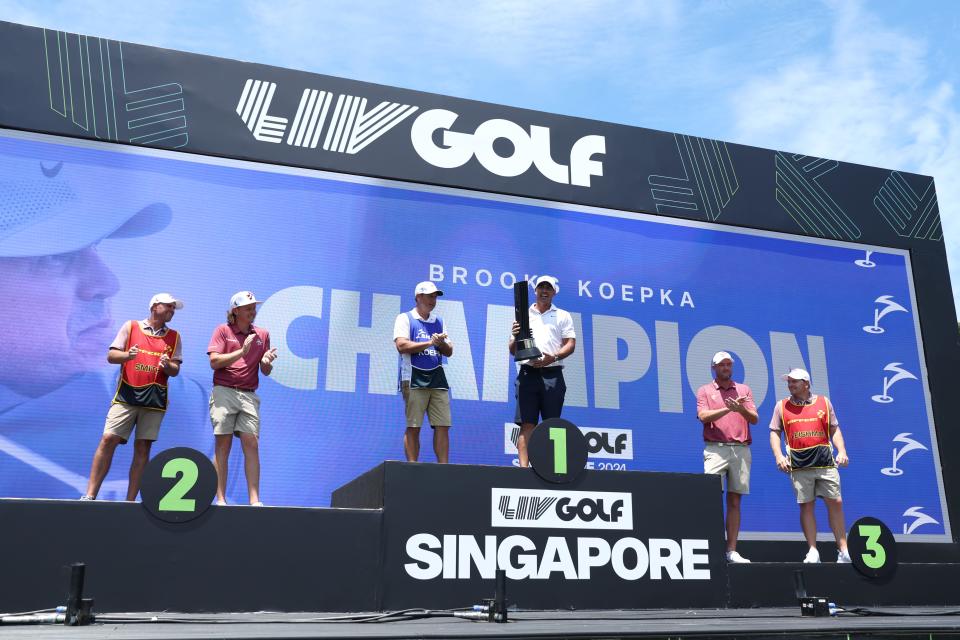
[557, 450]
[178, 485]
[873, 551]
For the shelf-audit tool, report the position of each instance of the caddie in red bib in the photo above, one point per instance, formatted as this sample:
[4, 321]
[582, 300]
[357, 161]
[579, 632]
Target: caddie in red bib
[143, 382]
[807, 427]
[149, 353]
[811, 430]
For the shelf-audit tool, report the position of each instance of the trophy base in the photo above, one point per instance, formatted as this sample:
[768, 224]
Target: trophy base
[526, 350]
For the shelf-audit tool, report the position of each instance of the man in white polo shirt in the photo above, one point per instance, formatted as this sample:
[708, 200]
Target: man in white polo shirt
[540, 388]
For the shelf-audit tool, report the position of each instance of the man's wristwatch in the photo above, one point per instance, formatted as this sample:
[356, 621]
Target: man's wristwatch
[557, 358]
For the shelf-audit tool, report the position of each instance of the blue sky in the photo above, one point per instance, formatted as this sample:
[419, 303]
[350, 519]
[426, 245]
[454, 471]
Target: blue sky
[874, 83]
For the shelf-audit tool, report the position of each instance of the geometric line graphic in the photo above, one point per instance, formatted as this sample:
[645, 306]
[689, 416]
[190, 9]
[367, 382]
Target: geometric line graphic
[799, 192]
[351, 129]
[372, 124]
[310, 118]
[505, 509]
[909, 214]
[708, 182]
[87, 85]
[252, 108]
[528, 507]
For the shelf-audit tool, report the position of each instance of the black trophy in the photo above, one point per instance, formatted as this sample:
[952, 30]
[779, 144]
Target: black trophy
[526, 348]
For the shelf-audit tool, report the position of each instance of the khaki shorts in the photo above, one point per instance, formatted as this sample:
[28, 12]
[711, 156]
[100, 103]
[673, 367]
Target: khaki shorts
[732, 462]
[122, 417]
[234, 411]
[810, 483]
[434, 402]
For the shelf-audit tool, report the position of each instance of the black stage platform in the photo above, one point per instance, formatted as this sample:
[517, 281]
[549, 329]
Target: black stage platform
[583, 559]
[904, 623]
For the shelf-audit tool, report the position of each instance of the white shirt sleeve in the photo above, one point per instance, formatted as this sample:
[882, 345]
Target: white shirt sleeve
[565, 324]
[401, 326]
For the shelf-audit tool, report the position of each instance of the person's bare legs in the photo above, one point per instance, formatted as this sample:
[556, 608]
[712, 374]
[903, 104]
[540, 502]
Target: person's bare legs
[141, 456]
[100, 466]
[525, 430]
[221, 456]
[836, 519]
[441, 444]
[411, 443]
[733, 520]
[251, 464]
[808, 522]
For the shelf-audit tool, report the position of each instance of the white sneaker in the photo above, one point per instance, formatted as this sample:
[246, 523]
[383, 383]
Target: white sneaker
[735, 558]
[843, 557]
[812, 557]
[221, 503]
[87, 497]
[256, 504]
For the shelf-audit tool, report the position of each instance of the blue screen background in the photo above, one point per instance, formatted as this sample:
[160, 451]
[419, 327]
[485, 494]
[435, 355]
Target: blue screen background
[335, 261]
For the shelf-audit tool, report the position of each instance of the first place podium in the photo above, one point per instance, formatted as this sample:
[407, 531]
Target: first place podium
[609, 540]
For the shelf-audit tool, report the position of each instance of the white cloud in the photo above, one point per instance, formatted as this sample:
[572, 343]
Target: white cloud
[865, 98]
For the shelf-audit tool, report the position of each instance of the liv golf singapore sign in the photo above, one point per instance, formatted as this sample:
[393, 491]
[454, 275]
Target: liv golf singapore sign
[605, 540]
[576, 557]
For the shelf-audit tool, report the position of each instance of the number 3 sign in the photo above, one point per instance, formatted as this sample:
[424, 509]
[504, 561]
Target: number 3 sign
[178, 485]
[872, 548]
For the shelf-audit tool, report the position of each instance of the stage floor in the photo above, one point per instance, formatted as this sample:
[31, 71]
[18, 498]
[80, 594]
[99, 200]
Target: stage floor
[901, 622]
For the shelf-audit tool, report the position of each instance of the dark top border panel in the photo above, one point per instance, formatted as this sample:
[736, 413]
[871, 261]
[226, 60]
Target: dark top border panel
[95, 88]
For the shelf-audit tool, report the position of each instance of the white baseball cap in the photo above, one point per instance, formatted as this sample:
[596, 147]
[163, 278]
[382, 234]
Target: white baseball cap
[796, 374]
[427, 287]
[43, 195]
[166, 298]
[553, 282]
[720, 356]
[242, 299]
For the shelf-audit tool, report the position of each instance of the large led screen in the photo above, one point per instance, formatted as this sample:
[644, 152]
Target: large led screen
[89, 232]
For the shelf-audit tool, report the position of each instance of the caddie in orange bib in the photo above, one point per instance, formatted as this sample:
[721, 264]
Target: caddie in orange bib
[149, 354]
[811, 430]
[143, 381]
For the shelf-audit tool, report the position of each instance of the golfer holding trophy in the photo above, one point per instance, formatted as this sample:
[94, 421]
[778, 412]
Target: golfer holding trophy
[543, 336]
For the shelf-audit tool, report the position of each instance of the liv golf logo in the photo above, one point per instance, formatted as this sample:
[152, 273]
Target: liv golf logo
[544, 509]
[348, 124]
[351, 127]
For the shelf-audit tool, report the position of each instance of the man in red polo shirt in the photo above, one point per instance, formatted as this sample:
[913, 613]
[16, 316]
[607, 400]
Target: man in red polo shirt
[239, 352]
[726, 410]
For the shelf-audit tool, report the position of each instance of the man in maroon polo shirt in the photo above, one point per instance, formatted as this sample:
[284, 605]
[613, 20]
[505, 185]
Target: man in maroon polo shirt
[726, 410]
[238, 352]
